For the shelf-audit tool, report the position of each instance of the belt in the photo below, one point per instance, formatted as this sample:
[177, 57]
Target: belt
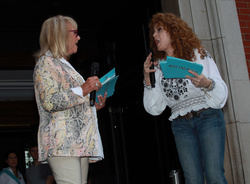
[192, 114]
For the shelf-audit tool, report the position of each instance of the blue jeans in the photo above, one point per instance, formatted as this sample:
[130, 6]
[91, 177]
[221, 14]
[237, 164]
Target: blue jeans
[200, 142]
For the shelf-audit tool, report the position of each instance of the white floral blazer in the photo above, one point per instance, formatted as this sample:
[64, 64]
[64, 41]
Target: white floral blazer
[68, 124]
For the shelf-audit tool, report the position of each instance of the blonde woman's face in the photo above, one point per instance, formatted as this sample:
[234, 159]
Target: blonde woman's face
[73, 39]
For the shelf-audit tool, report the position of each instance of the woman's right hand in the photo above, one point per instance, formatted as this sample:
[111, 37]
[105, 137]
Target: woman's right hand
[91, 84]
[147, 70]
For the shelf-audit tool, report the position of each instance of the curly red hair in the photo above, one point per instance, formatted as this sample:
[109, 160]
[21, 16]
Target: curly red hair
[183, 39]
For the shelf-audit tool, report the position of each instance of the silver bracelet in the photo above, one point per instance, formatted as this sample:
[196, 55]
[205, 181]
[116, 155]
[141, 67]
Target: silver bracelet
[146, 86]
[212, 85]
[210, 88]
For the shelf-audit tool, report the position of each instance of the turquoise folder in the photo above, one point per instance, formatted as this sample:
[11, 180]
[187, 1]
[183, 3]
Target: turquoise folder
[178, 68]
[108, 84]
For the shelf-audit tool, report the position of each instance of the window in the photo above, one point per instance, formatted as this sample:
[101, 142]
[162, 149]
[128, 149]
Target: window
[28, 159]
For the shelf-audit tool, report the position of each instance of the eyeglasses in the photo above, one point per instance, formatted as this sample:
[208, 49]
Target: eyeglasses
[74, 31]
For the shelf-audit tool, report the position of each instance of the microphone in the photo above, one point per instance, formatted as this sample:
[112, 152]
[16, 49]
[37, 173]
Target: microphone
[94, 72]
[152, 74]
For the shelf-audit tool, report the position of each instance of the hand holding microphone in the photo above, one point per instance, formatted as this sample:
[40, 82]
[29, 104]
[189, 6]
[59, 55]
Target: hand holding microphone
[149, 71]
[92, 84]
[152, 74]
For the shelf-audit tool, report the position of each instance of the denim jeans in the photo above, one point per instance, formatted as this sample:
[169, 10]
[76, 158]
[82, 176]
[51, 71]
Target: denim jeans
[200, 142]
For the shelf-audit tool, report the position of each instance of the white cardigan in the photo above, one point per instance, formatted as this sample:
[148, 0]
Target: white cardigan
[181, 95]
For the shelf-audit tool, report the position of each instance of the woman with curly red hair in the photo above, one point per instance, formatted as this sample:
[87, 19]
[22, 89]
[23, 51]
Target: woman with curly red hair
[196, 117]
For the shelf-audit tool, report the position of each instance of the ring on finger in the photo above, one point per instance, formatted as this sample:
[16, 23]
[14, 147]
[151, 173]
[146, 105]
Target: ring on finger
[96, 84]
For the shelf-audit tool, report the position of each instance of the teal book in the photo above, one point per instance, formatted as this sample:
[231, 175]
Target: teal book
[108, 84]
[178, 68]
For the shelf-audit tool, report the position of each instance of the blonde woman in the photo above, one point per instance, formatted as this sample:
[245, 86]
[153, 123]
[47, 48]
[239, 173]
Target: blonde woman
[68, 135]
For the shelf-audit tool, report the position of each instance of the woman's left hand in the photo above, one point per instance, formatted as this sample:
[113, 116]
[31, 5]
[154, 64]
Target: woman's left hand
[199, 80]
[102, 101]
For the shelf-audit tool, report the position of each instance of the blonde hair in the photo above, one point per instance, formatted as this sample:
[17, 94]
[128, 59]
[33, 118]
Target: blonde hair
[54, 36]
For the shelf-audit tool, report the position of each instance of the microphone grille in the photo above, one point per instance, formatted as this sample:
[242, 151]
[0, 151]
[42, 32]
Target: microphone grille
[95, 66]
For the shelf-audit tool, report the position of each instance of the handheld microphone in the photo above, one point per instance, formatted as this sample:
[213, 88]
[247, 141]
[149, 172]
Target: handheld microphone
[152, 74]
[94, 72]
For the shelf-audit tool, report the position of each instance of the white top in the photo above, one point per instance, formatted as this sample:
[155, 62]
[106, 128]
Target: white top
[6, 179]
[181, 95]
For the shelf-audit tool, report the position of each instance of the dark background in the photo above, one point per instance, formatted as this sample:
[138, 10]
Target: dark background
[138, 147]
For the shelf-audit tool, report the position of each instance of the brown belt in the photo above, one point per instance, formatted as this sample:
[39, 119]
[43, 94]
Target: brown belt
[191, 114]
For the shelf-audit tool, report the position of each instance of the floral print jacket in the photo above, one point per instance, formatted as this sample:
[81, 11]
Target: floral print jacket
[68, 124]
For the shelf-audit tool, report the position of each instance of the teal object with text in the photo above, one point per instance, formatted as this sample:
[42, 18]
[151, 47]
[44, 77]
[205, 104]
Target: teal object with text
[108, 84]
[178, 68]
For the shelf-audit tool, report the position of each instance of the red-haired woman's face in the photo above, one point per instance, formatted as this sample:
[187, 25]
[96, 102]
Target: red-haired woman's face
[162, 39]
[12, 160]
